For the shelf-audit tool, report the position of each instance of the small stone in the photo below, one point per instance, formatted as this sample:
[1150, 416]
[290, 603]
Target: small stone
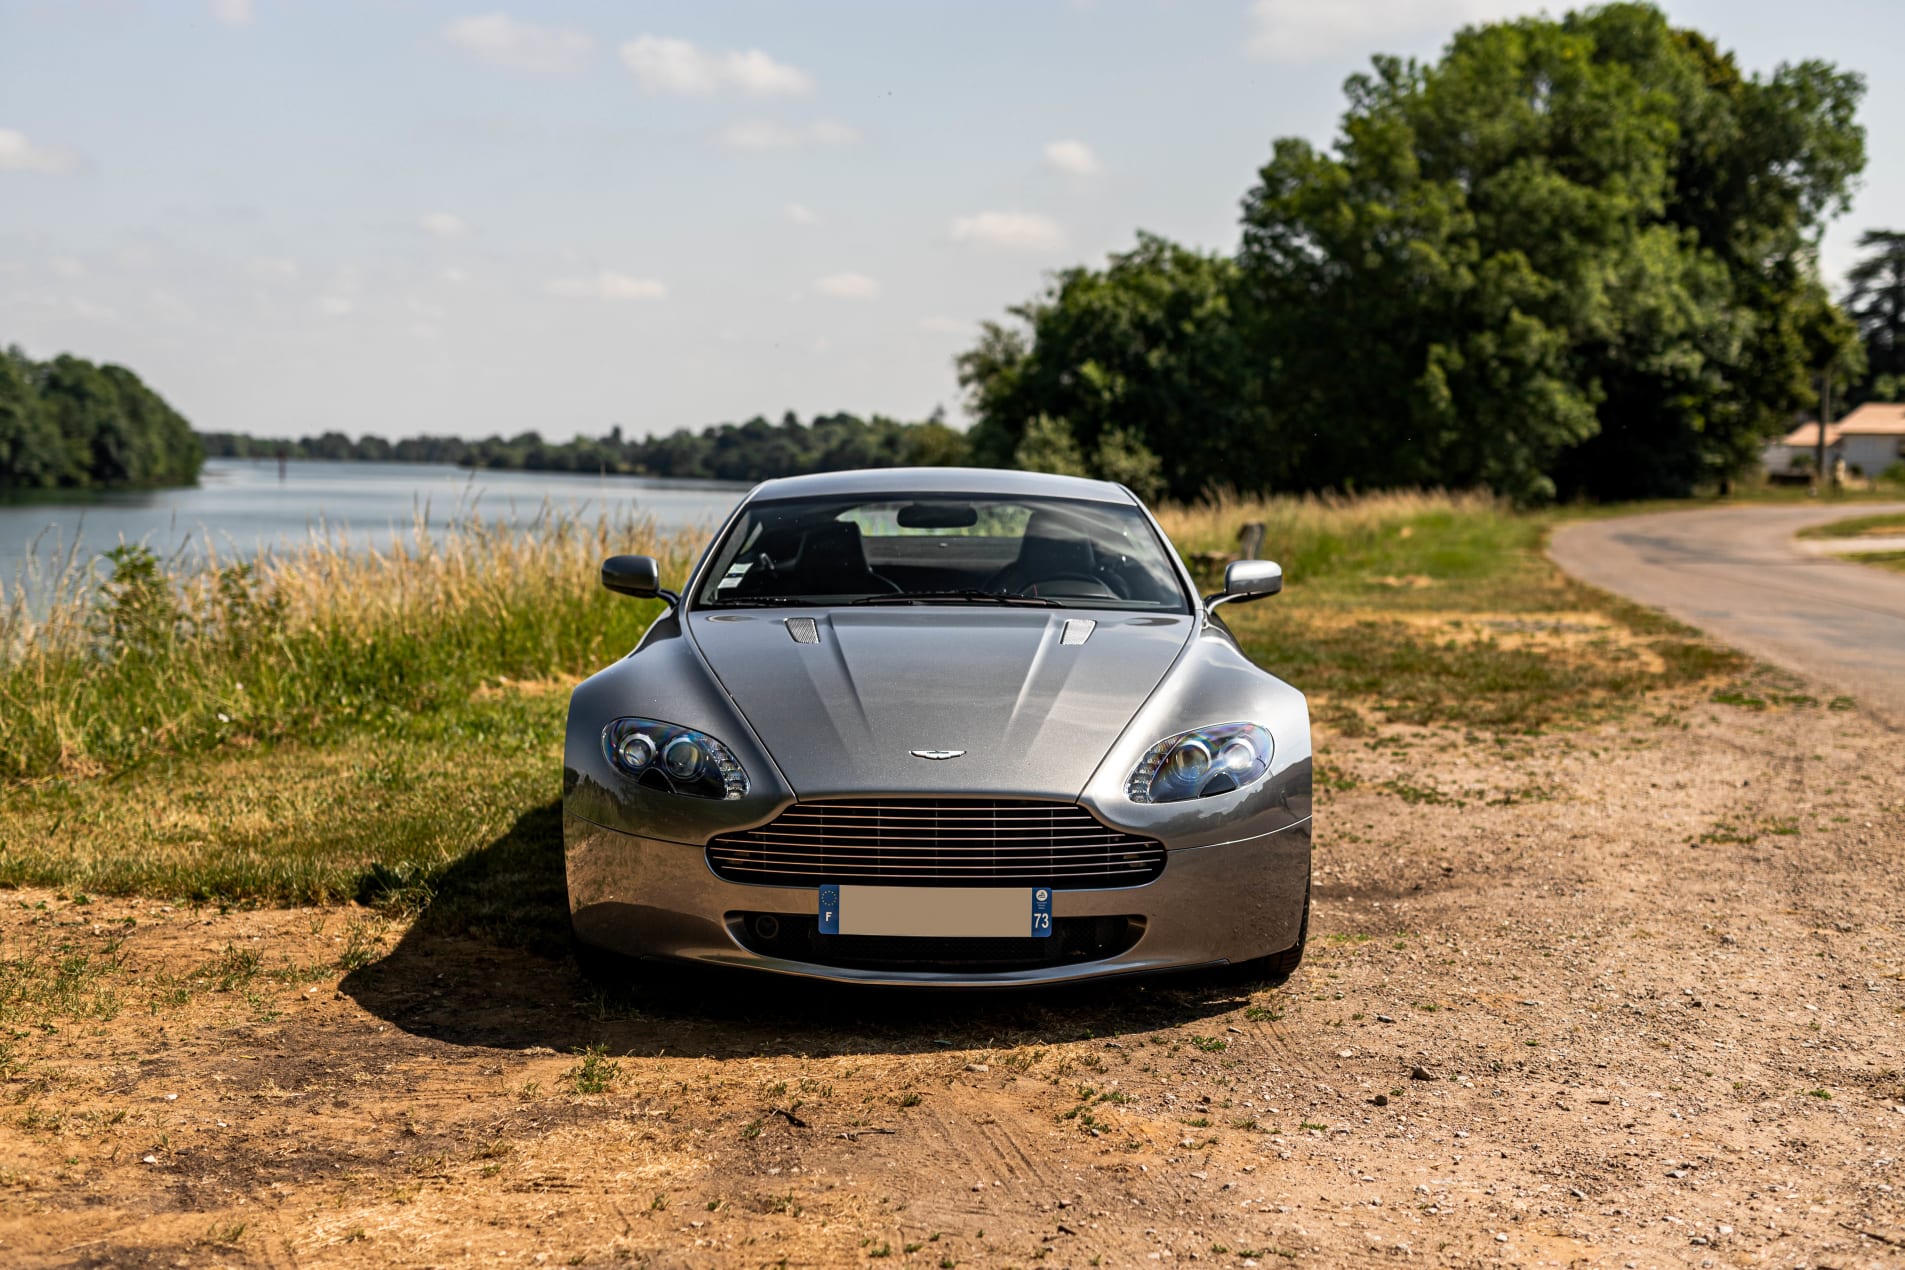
[1600, 1097]
[150, 1159]
[1501, 1239]
[1676, 1172]
[978, 1067]
[1380, 1100]
[1419, 1072]
[1578, 1193]
[1383, 1018]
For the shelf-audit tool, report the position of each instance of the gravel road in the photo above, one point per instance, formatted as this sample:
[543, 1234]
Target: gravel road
[1735, 572]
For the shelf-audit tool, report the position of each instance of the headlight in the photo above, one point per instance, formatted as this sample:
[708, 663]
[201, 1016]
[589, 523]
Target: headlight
[674, 759]
[1198, 764]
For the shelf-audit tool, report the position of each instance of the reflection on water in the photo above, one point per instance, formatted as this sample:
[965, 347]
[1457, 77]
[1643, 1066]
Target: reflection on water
[241, 507]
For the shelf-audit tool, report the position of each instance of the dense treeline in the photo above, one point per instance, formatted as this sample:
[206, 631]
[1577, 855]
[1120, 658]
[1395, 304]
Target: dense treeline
[67, 423]
[752, 451]
[1574, 256]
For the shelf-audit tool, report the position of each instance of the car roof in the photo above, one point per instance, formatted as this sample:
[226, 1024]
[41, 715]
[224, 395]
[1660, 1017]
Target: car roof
[999, 482]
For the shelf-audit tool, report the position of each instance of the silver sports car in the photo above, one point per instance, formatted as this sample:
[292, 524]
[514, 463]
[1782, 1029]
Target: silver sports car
[940, 726]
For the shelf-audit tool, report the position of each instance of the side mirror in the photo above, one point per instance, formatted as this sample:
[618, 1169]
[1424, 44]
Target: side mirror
[1247, 580]
[638, 576]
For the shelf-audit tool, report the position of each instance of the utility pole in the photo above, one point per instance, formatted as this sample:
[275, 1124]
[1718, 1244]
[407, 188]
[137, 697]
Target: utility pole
[1825, 413]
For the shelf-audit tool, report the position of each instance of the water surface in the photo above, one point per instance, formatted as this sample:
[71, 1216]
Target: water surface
[244, 506]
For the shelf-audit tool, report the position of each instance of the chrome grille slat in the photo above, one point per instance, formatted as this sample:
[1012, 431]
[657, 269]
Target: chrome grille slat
[936, 841]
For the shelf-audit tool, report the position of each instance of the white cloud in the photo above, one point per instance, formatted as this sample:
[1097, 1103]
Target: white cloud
[271, 269]
[800, 215]
[336, 306]
[769, 134]
[945, 325]
[443, 224]
[1302, 30]
[233, 12]
[848, 286]
[1018, 231]
[1073, 157]
[608, 285]
[17, 154]
[678, 67]
[501, 40]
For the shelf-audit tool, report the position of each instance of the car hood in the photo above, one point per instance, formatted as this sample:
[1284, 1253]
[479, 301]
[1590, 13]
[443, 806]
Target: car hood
[1033, 714]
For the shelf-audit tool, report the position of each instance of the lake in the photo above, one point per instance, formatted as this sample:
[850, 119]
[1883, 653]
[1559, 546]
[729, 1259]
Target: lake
[241, 507]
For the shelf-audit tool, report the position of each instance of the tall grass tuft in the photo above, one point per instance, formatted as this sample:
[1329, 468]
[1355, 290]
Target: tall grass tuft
[104, 663]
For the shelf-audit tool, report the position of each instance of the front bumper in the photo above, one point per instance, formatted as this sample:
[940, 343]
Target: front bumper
[1212, 905]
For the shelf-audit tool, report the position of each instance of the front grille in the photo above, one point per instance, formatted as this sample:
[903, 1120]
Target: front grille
[1073, 940]
[936, 842]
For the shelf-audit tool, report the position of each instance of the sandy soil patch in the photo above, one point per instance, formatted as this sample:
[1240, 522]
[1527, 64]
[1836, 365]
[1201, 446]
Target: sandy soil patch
[1627, 997]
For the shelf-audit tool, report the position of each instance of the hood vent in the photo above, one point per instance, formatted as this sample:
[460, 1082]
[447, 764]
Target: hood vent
[1077, 630]
[804, 630]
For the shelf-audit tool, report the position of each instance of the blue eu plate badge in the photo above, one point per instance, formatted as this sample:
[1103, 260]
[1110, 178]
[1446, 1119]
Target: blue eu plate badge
[1041, 912]
[830, 910]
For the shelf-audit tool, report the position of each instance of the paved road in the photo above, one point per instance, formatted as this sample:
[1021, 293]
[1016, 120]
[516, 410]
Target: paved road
[1735, 573]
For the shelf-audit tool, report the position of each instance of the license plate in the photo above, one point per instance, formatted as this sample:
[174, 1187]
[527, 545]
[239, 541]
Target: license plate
[975, 912]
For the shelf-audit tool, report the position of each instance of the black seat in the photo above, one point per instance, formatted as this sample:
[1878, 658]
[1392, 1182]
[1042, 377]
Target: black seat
[1050, 549]
[833, 561]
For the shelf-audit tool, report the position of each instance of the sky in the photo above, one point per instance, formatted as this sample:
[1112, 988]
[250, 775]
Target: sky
[405, 217]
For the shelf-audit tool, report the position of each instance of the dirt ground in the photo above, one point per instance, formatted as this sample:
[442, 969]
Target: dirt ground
[1627, 997]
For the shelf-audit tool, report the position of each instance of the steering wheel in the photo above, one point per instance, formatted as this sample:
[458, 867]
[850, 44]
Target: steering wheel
[1107, 585]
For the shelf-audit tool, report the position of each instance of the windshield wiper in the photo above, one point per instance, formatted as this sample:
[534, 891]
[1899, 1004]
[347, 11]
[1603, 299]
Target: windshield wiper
[762, 602]
[970, 595]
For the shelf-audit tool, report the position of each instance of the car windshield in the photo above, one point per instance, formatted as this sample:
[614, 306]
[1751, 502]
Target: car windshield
[942, 549]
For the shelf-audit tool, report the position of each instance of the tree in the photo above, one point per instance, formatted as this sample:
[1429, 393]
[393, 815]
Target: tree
[68, 422]
[1147, 348]
[1574, 255]
[1875, 301]
[1047, 445]
[32, 454]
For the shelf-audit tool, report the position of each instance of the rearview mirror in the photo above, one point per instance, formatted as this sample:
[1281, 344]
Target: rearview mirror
[1248, 580]
[938, 516]
[638, 576]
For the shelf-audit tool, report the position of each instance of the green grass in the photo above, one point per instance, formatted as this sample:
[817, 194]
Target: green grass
[1884, 559]
[397, 739]
[1859, 527]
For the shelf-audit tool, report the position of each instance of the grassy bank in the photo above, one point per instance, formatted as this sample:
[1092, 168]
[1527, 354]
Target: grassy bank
[132, 658]
[1884, 526]
[387, 726]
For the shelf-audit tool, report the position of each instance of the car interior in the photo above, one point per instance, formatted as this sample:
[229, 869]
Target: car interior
[1035, 549]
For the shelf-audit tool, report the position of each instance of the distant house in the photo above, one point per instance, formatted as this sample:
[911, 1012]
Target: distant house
[1869, 440]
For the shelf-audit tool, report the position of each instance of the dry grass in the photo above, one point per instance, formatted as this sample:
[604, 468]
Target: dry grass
[105, 665]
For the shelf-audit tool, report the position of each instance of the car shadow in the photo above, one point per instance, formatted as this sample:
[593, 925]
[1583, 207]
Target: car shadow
[489, 962]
